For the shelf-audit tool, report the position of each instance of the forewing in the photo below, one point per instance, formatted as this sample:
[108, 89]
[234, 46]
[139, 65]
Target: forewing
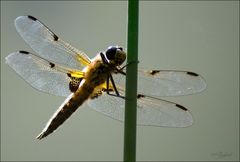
[150, 111]
[166, 82]
[42, 74]
[47, 44]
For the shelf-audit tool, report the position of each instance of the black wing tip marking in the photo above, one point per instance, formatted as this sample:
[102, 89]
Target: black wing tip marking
[55, 37]
[24, 52]
[153, 72]
[140, 96]
[181, 107]
[52, 65]
[31, 17]
[192, 73]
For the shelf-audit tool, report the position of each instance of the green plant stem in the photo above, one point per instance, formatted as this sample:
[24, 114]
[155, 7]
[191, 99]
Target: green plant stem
[131, 83]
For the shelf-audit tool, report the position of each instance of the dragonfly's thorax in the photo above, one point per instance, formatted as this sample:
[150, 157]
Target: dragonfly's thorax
[98, 71]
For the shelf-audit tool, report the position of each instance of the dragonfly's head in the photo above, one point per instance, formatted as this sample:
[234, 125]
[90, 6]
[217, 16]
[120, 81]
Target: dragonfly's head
[115, 55]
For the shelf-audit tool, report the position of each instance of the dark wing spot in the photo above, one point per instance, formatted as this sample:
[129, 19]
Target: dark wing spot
[153, 72]
[72, 87]
[181, 107]
[192, 73]
[24, 52]
[140, 96]
[74, 84]
[51, 64]
[32, 18]
[69, 75]
[55, 37]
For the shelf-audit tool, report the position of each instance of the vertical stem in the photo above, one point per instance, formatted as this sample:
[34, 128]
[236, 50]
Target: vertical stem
[131, 83]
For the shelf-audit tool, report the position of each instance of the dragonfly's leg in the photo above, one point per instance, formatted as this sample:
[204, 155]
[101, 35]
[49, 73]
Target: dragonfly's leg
[114, 95]
[119, 71]
[114, 86]
[109, 90]
[108, 84]
[121, 68]
[103, 58]
[109, 76]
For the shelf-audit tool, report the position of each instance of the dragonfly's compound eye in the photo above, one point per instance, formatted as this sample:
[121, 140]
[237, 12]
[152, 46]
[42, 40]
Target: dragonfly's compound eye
[111, 53]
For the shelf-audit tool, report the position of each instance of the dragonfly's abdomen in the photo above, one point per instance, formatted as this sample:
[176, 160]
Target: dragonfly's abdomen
[71, 104]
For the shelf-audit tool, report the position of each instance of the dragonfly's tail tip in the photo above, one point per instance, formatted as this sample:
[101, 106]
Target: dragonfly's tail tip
[41, 136]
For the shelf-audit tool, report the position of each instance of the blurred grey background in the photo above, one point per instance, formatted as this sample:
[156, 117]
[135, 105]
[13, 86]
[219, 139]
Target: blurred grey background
[198, 36]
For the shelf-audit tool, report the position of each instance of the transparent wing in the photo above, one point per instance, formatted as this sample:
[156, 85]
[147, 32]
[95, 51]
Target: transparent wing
[150, 110]
[166, 82]
[42, 74]
[47, 44]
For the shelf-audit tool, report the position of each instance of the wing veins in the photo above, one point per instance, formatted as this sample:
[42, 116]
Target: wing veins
[48, 44]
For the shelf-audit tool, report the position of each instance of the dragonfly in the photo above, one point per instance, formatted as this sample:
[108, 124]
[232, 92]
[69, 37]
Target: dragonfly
[60, 69]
